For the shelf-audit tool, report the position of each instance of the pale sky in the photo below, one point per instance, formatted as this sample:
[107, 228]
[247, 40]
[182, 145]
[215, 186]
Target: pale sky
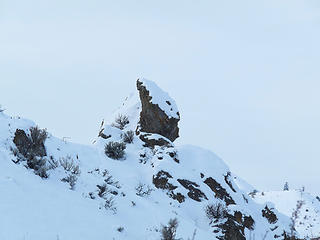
[245, 74]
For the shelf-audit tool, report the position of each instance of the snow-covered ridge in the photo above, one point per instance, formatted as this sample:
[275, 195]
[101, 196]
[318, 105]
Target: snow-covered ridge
[125, 198]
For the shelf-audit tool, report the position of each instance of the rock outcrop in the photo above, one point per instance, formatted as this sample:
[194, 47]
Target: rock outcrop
[158, 115]
[32, 145]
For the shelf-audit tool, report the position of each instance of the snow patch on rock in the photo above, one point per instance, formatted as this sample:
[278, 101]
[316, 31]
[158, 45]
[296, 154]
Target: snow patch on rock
[161, 98]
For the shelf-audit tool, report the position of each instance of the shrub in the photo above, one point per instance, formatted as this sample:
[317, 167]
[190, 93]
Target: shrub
[110, 181]
[120, 229]
[253, 193]
[103, 190]
[216, 211]
[1, 109]
[169, 232]
[121, 121]
[39, 164]
[128, 136]
[115, 150]
[294, 218]
[53, 164]
[110, 204]
[71, 179]
[38, 136]
[69, 165]
[31, 145]
[143, 190]
[72, 169]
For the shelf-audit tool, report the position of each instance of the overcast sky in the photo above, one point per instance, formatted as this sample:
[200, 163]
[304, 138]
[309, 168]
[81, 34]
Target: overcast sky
[245, 74]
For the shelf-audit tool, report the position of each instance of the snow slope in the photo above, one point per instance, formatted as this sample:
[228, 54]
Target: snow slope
[308, 222]
[130, 198]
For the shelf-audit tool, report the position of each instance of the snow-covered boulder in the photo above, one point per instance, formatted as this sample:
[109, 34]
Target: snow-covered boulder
[159, 113]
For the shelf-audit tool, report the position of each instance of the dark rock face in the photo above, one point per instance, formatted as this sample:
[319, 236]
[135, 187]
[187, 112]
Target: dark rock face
[270, 215]
[154, 142]
[194, 192]
[30, 146]
[161, 181]
[102, 135]
[153, 119]
[234, 227]
[227, 180]
[219, 191]
[231, 230]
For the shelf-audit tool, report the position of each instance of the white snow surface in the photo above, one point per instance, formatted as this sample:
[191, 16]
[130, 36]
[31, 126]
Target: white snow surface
[32, 208]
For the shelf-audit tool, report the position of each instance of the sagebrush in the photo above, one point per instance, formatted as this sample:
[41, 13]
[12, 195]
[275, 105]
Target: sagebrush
[128, 136]
[216, 211]
[121, 121]
[115, 150]
[169, 231]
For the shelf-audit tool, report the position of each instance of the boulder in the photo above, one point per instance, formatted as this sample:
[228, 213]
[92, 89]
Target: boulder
[159, 113]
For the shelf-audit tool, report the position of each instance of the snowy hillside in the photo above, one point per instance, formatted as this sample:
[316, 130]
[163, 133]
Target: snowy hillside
[286, 202]
[129, 184]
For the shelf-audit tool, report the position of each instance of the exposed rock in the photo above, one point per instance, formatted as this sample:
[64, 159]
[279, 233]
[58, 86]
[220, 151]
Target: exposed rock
[227, 180]
[103, 135]
[153, 119]
[219, 191]
[270, 215]
[234, 227]
[194, 192]
[30, 146]
[151, 142]
[231, 229]
[248, 222]
[161, 181]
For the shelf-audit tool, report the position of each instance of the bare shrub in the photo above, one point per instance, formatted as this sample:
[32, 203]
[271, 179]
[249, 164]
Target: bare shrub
[52, 163]
[38, 136]
[1, 109]
[216, 211]
[128, 136]
[69, 165]
[71, 179]
[110, 180]
[294, 218]
[105, 193]
[102, 190]
[253, 193]
[115, 150]
[71, 169]
[143, 190]
[169, 232]
[121, 121]
[39, 165]
[110, 204]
